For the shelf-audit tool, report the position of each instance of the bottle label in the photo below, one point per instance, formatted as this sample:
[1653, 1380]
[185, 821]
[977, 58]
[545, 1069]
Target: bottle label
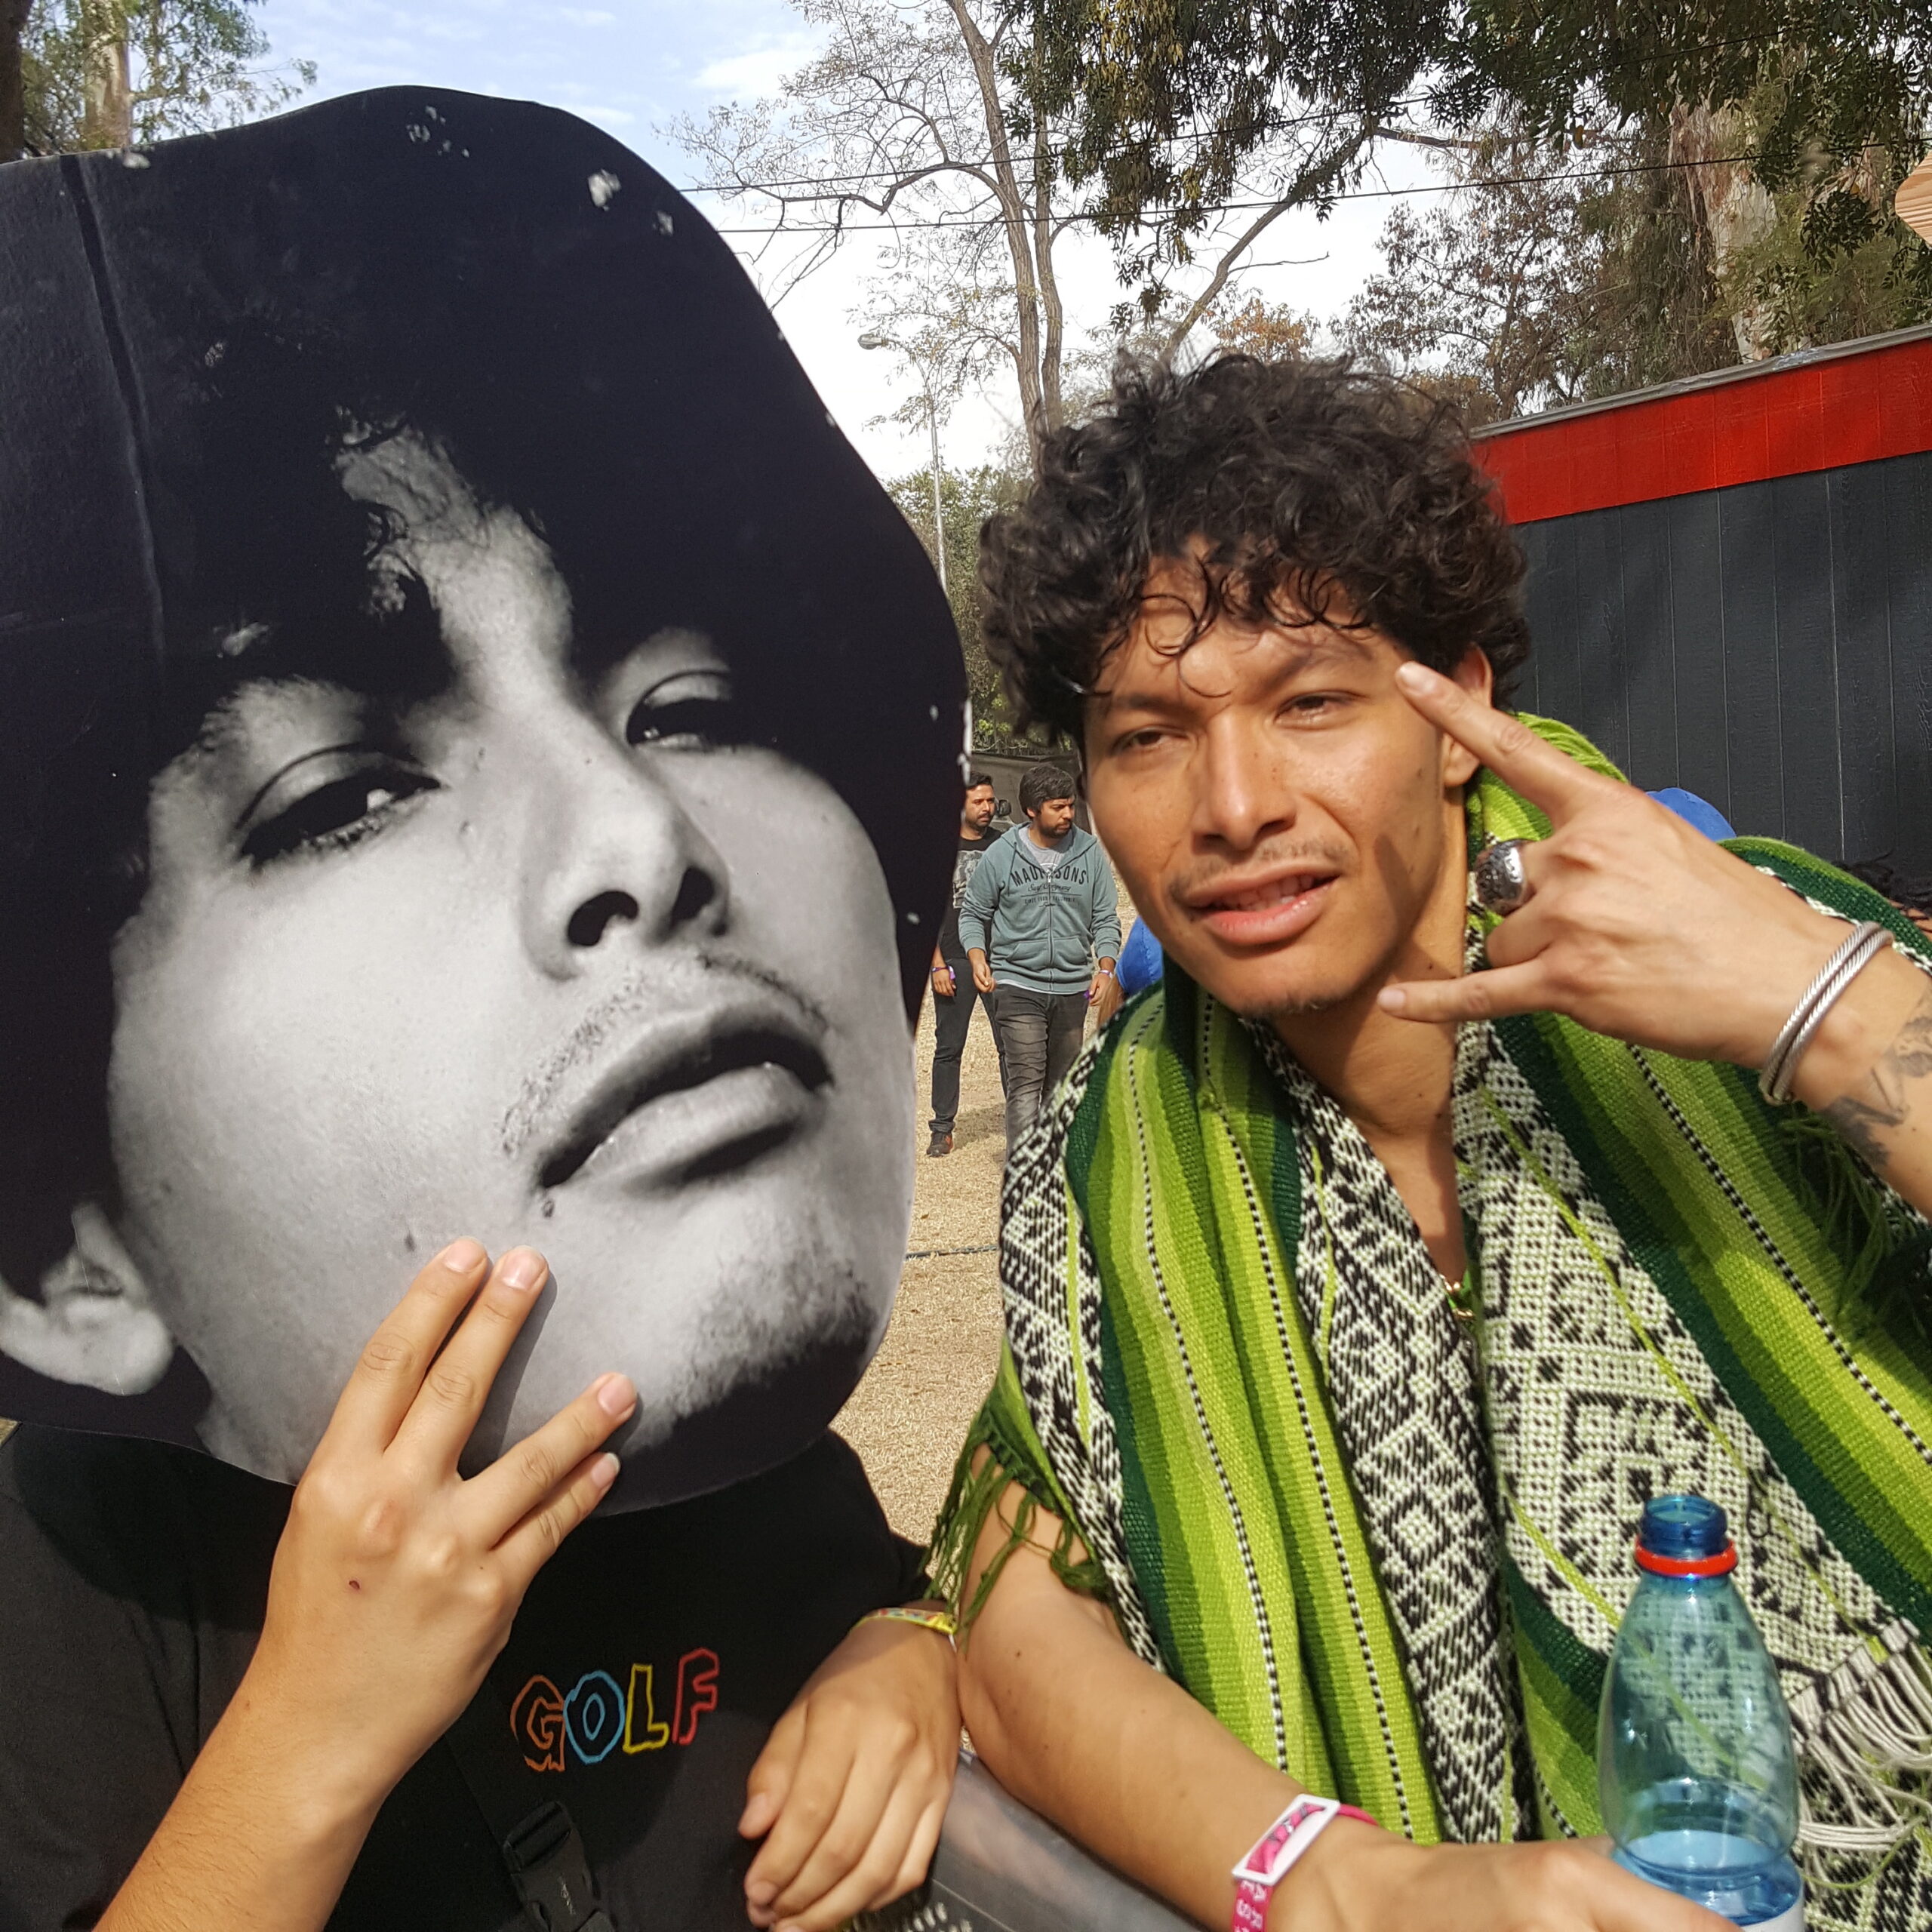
[1791, 1919]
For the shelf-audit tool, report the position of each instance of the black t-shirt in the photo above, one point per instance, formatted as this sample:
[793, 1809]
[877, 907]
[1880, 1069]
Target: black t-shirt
[965, 863]
[648, 1662]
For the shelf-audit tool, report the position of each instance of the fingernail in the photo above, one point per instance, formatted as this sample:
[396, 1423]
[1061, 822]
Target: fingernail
[760, 1892]
[616, 1396]
[523, 1270]
[1415, 676]
[463, 1258]
[1392, 999]
[604, 1471]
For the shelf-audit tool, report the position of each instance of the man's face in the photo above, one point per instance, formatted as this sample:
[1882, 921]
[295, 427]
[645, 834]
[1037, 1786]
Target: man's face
[976, 813]
[547, 958]
[1281, 813]
[1055, 819]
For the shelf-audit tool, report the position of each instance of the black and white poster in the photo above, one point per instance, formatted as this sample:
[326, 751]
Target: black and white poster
[477, 756]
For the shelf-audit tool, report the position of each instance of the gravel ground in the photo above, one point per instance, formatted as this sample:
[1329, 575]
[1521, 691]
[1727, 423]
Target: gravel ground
[908, 1416]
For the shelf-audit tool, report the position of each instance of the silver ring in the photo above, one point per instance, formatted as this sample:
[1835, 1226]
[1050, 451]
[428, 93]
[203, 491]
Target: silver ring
[1503, 885]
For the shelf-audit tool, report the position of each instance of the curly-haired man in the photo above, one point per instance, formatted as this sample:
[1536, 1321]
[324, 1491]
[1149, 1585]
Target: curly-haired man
[1370, 1274]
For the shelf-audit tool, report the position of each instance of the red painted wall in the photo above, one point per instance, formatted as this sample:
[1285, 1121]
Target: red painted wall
[1851, 408]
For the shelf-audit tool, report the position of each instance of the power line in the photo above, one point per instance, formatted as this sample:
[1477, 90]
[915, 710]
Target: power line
[1199, 136]
[911, 223]
[1268, 123]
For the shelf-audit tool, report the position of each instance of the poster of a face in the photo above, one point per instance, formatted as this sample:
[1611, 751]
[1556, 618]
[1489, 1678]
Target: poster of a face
[478, 755]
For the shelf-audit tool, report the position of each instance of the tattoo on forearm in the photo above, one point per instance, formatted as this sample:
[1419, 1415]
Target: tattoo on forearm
[1867, 1115]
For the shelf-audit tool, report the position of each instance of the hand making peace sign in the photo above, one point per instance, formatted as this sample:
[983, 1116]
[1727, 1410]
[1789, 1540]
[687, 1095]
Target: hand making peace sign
[1637, 925]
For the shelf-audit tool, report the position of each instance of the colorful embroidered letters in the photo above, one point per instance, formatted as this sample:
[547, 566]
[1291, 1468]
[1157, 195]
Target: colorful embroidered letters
[599, 1714]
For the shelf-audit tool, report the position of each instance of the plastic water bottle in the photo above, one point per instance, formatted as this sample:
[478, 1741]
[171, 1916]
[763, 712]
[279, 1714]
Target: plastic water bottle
[1695, 1767]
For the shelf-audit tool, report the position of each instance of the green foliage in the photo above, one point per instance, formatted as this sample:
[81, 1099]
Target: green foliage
[188, 65]
[1556, 276]
[967, 498]
[1551, 277]
[1851, 74]
[1170, 100]
[1816, 284]
[1166, 102]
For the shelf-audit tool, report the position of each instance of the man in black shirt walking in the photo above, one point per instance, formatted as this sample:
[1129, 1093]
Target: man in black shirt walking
[954, 994]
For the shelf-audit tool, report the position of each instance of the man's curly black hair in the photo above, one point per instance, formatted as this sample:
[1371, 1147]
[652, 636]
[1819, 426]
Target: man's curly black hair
[1319, 489]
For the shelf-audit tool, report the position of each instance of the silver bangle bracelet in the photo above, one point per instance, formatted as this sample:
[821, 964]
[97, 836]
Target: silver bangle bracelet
[1867, 941]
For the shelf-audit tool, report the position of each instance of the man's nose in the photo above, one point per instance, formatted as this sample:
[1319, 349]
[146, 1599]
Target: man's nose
[1240, 793]
[612, 853]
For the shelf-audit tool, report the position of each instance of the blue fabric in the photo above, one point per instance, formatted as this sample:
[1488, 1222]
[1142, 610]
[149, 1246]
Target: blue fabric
[1694, 811]
[1141, 961]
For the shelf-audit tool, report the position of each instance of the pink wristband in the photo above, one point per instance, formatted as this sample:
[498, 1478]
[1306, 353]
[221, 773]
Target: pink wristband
[1274, 1853]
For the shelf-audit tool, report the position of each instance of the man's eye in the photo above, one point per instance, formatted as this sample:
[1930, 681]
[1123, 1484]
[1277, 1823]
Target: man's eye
[309, 808]
[692, 712]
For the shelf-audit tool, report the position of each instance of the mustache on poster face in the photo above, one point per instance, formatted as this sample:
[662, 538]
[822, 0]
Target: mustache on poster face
[703, 983]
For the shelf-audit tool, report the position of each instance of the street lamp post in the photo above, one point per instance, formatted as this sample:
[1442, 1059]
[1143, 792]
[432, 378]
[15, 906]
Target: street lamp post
[872, 339]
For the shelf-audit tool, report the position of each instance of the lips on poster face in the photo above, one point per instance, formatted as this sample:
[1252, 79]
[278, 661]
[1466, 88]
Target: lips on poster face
[544, 796]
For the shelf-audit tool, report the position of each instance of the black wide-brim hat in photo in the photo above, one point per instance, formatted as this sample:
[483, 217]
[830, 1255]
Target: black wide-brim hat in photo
[189, 334]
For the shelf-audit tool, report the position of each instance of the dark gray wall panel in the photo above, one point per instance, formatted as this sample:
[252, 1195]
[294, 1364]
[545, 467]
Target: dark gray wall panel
[1556, 618]
[1908, 552]
[1649, 644]
[1808, 723]
[1768, 647]
[1862, 631]
[1603, 670]
[1749, 579]
[1696, 619]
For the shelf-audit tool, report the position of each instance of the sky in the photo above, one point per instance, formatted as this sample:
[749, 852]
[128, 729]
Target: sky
[636, 66]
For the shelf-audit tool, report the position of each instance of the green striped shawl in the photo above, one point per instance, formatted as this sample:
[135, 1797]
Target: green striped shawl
[1801, 1281]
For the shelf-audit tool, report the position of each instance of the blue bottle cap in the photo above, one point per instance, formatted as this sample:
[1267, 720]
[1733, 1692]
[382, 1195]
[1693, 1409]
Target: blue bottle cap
[1683, 1529]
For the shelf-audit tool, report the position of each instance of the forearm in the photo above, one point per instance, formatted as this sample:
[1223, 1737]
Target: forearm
[1118, 1756]
[259, 1835]
[1869, 1073]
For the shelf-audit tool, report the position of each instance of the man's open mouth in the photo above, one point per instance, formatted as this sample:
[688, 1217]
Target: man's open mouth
[698, 1096]
[1274, 892]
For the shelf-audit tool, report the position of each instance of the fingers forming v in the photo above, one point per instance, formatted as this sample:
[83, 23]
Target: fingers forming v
[1545, 776]
[390, 1369]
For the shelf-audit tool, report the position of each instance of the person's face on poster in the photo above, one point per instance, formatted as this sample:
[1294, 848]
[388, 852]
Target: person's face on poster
[547, 956]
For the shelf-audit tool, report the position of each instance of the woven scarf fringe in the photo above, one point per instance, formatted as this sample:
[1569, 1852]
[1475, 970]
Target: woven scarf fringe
[975, 1494]
[1867, 1732]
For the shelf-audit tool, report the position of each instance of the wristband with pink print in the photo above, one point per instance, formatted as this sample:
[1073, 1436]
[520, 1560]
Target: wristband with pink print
[1275, 1852]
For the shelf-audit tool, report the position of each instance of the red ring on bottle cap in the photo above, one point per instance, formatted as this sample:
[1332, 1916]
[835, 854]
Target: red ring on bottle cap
[1719, 1565]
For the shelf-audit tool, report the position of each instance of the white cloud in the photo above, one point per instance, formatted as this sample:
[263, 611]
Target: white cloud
[587, 16]
[757, 72]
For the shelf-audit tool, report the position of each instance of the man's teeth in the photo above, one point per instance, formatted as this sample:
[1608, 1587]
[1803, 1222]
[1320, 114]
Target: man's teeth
[1279, 894]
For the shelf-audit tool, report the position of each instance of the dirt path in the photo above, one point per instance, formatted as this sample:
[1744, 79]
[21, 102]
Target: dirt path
[908, 1416]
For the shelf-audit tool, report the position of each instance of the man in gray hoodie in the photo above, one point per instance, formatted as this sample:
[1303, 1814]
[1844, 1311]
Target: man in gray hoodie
[1041, 925]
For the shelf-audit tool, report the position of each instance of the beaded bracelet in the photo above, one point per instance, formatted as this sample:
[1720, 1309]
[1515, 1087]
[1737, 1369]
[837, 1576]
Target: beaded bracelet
[939, 1622]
